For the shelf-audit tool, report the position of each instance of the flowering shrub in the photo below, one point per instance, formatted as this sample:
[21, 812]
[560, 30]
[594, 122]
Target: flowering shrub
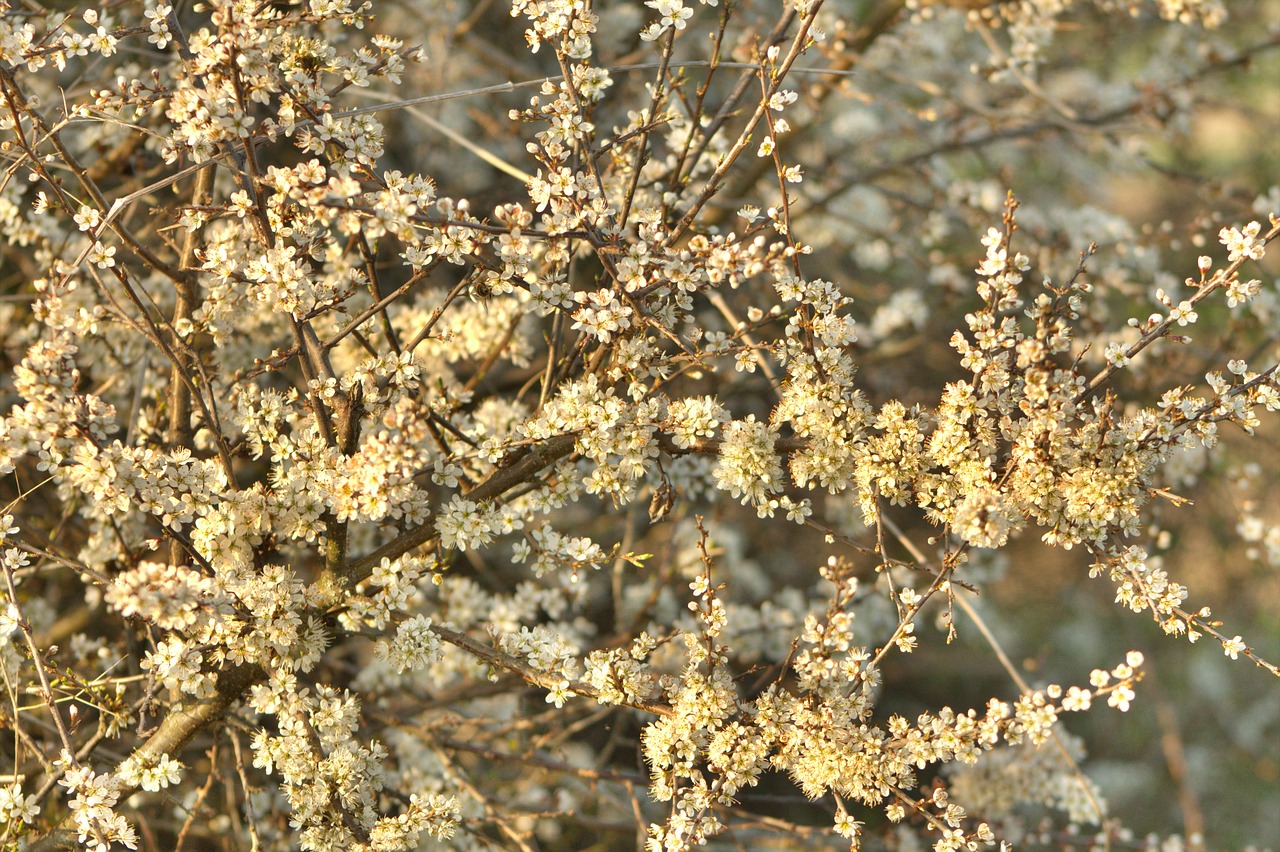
[341, 509]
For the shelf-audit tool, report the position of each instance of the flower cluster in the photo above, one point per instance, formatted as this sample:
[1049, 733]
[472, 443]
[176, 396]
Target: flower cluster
[364, 511]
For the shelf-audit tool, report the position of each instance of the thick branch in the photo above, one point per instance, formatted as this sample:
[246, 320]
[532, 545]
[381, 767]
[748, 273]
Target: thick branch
[177, 729]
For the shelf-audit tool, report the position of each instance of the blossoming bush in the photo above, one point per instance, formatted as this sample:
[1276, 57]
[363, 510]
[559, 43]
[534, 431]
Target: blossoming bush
[413, 438]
